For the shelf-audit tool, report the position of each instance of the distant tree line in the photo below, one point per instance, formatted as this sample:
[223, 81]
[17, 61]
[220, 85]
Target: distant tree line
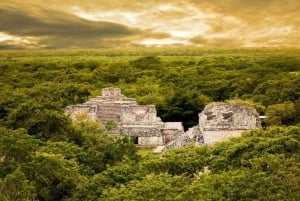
[46, 156]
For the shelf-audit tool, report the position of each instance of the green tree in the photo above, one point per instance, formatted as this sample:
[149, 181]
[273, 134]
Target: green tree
[16, 147]
[40, 119]
[281, 114]
[110, 125]
[184, 106]
[17, 187]
[151, 187]
[55, 177]
[101, 150]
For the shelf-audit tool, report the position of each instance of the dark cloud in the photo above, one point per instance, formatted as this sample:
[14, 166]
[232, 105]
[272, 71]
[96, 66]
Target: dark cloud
[7, 45]
[57, 29]
[17, 22]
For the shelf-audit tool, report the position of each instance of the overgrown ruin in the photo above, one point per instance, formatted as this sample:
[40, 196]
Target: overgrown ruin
[139, 121]
[218, 121]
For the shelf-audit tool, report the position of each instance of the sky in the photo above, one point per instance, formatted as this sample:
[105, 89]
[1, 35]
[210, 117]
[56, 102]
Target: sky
[41, 24]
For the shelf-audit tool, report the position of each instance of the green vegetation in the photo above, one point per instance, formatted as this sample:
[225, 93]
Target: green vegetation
[45, 156]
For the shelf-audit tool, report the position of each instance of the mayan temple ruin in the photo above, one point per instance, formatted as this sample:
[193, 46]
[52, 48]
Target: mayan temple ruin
[139, 121]
[217, 122]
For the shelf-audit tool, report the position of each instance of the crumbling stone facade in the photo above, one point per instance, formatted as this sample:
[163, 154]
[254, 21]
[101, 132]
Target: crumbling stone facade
[139, 121]
[219, 121]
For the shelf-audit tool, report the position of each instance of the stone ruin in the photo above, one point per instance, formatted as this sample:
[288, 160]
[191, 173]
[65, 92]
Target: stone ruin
[217, 122]
[137, 121]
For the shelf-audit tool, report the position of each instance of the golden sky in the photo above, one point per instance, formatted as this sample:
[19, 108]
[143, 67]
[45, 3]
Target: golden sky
[31, 24]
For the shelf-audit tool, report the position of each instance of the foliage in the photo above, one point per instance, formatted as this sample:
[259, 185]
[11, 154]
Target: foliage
[260, 165]
[16, 187]
[151, 187]
[281, 114]
[44, 155]
[110, 125]
[179, 82]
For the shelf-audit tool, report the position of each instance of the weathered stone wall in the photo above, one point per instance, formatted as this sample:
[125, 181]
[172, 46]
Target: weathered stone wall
[140, 130]
[151, 141]
[111, 92]
[225, 116]
[219, 121]
[169, 135]
[172, 130]
[211, 137]
[139, 113]
[74, 111]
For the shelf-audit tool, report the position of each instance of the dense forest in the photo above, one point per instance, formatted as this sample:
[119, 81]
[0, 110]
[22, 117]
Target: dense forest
[45, 156]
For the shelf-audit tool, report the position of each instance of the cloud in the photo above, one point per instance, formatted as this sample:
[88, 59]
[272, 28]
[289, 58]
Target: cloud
[62, 27]
[215, 42]
[10, 45]
[251, 23]
[255, 13]
[109, 23]
[58, 29]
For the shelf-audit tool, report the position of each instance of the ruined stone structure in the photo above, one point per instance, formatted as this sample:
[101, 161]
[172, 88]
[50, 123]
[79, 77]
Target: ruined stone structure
[139, 121]
[219, 121]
